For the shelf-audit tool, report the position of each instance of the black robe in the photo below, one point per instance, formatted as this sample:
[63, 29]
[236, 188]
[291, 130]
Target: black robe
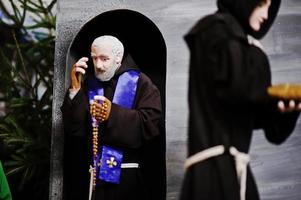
[127, 129]
[227, 101]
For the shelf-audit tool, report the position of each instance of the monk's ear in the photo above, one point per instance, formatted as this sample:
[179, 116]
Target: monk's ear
[118, 60]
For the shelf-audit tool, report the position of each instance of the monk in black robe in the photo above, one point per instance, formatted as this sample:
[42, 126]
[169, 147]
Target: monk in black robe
[229, 77]
[126, 129]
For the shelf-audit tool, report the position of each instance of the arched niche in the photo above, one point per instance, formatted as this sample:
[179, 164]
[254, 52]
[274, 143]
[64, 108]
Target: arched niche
[144, 41]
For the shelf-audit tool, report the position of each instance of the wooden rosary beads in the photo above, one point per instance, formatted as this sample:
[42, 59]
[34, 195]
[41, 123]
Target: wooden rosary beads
[95, 151]
[99, 114]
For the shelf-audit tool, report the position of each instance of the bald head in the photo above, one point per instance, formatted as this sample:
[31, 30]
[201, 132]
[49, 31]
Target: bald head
[113, 42]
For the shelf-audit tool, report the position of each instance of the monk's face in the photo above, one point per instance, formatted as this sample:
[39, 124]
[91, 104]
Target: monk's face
[104, 61]
[259, 15]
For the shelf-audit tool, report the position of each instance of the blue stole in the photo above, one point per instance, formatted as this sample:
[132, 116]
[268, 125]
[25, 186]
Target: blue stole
[108, 161]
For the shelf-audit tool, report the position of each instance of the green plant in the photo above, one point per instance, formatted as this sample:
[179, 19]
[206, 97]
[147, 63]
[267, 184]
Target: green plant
[27, 30]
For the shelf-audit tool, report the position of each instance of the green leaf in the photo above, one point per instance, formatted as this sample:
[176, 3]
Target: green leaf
[12, 163]
[3, 129]
[15, 170]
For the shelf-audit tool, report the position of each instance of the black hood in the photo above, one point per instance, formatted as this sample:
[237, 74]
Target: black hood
[127, 64]
[242, 10]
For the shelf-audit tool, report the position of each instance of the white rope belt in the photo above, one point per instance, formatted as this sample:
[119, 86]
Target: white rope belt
[241, 163]
[203, 155]
[129, 165]
[91, 170]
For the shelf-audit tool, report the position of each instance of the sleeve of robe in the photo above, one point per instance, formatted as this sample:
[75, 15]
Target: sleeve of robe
[130, 127]
[277, 126]
[76, 147]
[241, 78]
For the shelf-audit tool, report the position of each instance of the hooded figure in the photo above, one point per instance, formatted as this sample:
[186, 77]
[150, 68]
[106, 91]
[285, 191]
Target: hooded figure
[138, 131]
[228, 99]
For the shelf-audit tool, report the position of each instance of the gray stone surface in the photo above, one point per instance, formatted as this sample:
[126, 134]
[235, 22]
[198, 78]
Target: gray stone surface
[277, 168]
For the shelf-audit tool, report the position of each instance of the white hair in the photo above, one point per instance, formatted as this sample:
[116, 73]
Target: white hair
[117, 46]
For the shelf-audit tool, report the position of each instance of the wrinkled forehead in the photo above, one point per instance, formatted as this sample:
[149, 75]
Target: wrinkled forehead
[101, 48]
[101, 44]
